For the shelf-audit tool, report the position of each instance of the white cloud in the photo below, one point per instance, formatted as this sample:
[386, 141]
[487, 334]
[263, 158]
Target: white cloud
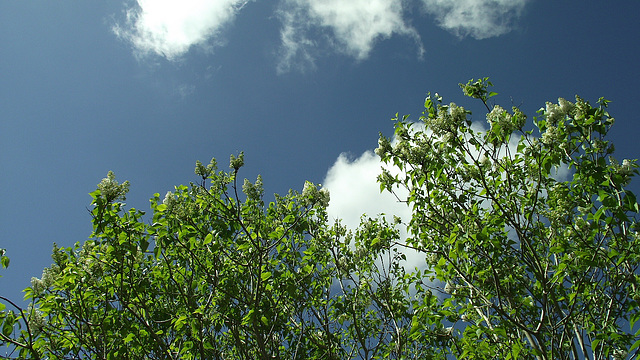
[170, 28]
[355, 191]
[185, 90]
[354, 25]
[297, 48]
[477, 18]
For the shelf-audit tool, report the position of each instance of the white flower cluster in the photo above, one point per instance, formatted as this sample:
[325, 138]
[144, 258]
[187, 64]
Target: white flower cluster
[236, 163]
[46, 281]
[566, 106]
[312, 195]
[503, 123]
[37, 285]
[169, 200]
[449, 288]
[253, 191]
[384, 146]
[485, 162]
[448, 119]
[626, 169]
[499, 116]
[111, 190]
[554, 113]
[176, 205]
[560, 211]
[551, 136]
[402, 148]
[620, 354]
[36, 319]
[206, 171]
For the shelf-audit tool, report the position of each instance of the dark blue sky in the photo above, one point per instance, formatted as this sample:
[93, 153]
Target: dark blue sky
[78, 99]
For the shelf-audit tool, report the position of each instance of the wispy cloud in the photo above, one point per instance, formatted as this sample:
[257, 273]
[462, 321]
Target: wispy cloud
[352, 27]
[185, 90]
[297, 50]
[309, 27]
[170, 28]
[480, 19]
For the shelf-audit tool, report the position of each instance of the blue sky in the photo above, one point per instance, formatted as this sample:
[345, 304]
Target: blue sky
[303, 87]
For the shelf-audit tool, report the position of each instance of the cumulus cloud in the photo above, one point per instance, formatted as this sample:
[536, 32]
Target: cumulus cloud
[480, 19]
[354, 26]
[355, 190]
[170, 28]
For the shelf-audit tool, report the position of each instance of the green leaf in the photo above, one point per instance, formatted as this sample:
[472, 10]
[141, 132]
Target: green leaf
[208, 238]
[128, 338]
[178, 324]
[599, 213]
[415, 325]
[248, 317]
[375, 241]
[7, 327]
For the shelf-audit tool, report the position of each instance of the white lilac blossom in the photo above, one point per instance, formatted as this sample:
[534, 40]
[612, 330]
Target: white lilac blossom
[566, 106]
[37, 286]
[35, 319]
[448, 119]
[485, 161]
[311, 195]
[46, 281]
[384, 146]
[111, 190]
[626, 169]
[550, 136]
[553, 113]
[500, 120]
[168, 198]
[519, 118]
[253, 191]
[170, 201]
[236, 163]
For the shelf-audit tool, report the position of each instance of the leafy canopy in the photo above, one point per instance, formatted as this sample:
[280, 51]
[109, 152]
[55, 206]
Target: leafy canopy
[529, 235]
[217, 274]
[533, 232]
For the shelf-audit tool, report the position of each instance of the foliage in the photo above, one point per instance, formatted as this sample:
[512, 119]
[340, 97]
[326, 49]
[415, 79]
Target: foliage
[530, 237]
[533, 234]
[215, 277]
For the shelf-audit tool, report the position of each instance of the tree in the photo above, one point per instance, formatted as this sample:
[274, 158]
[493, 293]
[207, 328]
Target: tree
[215, 277]
[533, 233]
[530, 237]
